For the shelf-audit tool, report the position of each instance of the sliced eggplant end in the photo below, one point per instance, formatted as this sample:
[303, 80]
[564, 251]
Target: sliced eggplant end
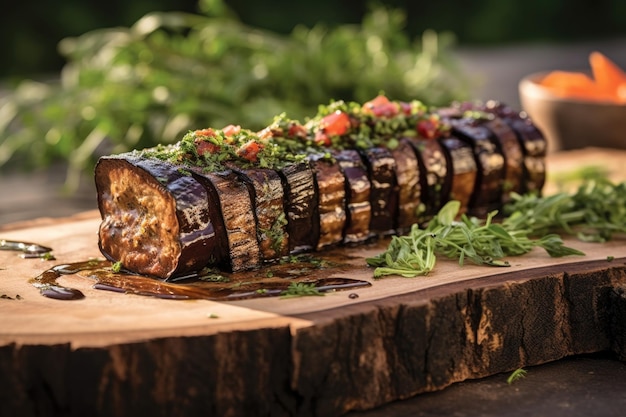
[142, 226]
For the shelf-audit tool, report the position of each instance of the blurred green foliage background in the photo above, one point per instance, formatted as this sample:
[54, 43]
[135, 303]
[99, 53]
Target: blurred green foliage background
[31, 30]
[82, 79]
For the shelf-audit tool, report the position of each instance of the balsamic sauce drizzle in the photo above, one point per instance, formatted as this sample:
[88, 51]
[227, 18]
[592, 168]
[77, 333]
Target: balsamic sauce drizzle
[29, 250]
[48, 286]
[270, 281]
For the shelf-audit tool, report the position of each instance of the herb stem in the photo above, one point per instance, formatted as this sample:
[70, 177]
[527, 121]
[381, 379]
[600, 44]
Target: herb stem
[484, 242]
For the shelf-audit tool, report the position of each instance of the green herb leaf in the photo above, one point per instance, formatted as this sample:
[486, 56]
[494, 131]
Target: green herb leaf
[116, 267]
[300, 289]
[595, 212]
[481, 241]
[516, 375]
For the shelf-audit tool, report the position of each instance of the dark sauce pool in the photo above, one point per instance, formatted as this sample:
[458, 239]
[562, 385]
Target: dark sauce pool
[294, 276]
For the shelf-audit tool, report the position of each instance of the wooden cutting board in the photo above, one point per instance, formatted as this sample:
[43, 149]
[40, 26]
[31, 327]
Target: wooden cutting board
[120, 354]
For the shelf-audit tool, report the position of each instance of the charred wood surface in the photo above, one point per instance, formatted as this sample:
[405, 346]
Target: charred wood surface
[351, 358]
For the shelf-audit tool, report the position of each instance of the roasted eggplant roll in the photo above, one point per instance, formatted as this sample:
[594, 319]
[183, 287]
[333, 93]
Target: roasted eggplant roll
[235, 199]
[155, 220]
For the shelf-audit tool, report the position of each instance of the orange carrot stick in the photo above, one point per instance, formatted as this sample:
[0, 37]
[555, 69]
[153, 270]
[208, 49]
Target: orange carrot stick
[607, 75]
[570, 84]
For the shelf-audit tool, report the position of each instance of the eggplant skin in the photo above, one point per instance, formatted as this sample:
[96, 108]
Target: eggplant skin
[410, 199]
[331, 192]
[513, 157]
[358, 189]
[381, 168]
[487, 195]
[266, 190]
[460, 157]
[232, 200]
[301, 207]
[436, 176]
[532, 142]
[155, 218]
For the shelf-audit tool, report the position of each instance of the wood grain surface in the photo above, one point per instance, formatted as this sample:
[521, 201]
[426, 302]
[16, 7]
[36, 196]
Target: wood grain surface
[123, 354]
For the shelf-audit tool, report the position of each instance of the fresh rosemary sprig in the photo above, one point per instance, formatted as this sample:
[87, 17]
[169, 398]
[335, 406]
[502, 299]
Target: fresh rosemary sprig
[595, 212]
[481, 241]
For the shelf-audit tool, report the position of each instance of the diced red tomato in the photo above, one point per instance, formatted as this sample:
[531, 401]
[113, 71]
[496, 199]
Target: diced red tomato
[428, 128]
[231, 130]
[296, 130]
[336, 123]
[204, 147]
[209, 133]
[265, 133]
[250, 150]
[387, 110]
[376, 101]
[380, 106]
[406, 108]
[322, 138]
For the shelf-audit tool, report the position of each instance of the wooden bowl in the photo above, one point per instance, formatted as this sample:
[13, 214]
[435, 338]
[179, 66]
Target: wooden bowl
[569, 123]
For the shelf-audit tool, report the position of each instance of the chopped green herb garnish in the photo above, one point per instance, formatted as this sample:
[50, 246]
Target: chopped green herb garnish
[48, 256]
[116, 267]
[516, 375]
[300, 289]
[212, 275]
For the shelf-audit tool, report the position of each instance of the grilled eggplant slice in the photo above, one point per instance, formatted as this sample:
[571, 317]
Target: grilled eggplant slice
[509, 143]
[358, 188]
[156, 220]
[266, 188]
[301, 207]
[460, 157]
[434, 166]
[513, 157]
[410, 204]
[533, 144]
[490, 162]
[331, 194]
[381, 168]
[232, 198]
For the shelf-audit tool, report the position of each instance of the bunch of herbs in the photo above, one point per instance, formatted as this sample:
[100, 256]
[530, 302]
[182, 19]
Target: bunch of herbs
[594, 212]
[171, 72]
[482, 241]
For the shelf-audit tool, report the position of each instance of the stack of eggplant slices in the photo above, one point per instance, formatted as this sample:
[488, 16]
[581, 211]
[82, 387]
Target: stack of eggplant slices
[237, 199]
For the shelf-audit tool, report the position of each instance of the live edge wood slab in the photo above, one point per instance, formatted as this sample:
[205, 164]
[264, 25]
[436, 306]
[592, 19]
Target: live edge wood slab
[113, 354]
